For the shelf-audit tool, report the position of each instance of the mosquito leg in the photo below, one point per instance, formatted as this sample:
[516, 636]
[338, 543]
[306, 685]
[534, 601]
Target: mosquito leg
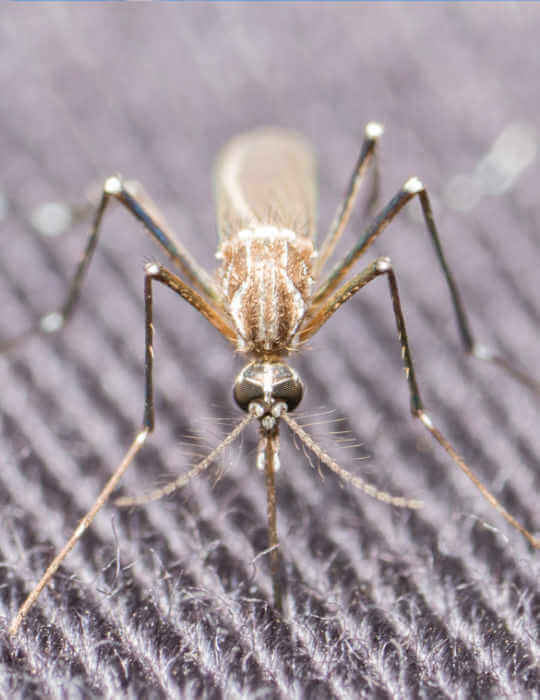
[333, 303]
[140, 438]
[153, 272]
[139, 204]
[158, 273]
[412, 188]
[383, 266]
[372, 133]
[135, 446]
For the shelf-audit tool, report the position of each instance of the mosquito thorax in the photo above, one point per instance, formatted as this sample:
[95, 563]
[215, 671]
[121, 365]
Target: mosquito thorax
[267, 389]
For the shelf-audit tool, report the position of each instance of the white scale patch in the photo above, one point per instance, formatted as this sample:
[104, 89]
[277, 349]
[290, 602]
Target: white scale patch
[237, 301]
[268, 380]
[270, 233]
[259, 276]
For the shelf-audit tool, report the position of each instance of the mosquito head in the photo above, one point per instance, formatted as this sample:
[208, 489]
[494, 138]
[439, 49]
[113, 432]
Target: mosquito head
[268, 389]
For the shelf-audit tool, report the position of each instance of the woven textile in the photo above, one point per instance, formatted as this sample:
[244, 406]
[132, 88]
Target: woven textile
[171, 599]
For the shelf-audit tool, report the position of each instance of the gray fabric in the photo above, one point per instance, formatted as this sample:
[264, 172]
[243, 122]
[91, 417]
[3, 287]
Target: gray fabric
[168, 599]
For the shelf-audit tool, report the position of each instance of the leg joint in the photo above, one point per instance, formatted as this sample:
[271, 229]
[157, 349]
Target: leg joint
[373, 131]
[414, 186]
[152, 269]
[113, 185]
[383, 265]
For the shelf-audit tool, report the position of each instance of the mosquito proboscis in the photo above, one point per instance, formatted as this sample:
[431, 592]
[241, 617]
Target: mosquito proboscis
[268, 298]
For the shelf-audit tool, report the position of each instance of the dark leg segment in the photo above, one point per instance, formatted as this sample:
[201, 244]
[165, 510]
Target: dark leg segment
[132, 196]
[135, 203]
[410, 189]
[383, 266]
[372, 133]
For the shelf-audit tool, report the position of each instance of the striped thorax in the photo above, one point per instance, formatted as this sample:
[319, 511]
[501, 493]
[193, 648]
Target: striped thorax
[266, 282]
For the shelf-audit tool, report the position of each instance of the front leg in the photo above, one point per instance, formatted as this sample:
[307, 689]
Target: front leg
[383, 266]
[153, 273]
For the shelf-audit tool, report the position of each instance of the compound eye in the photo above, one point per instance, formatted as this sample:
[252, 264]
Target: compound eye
[245, 391]
[290, 391]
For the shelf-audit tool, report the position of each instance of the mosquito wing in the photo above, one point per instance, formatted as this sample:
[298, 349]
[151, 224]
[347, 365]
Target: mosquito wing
[266, 178]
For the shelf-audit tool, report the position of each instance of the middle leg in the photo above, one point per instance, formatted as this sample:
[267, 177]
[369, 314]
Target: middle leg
[414, 188]
[136, 201]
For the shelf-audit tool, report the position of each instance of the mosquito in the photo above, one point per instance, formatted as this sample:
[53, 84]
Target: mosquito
[268, 298]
